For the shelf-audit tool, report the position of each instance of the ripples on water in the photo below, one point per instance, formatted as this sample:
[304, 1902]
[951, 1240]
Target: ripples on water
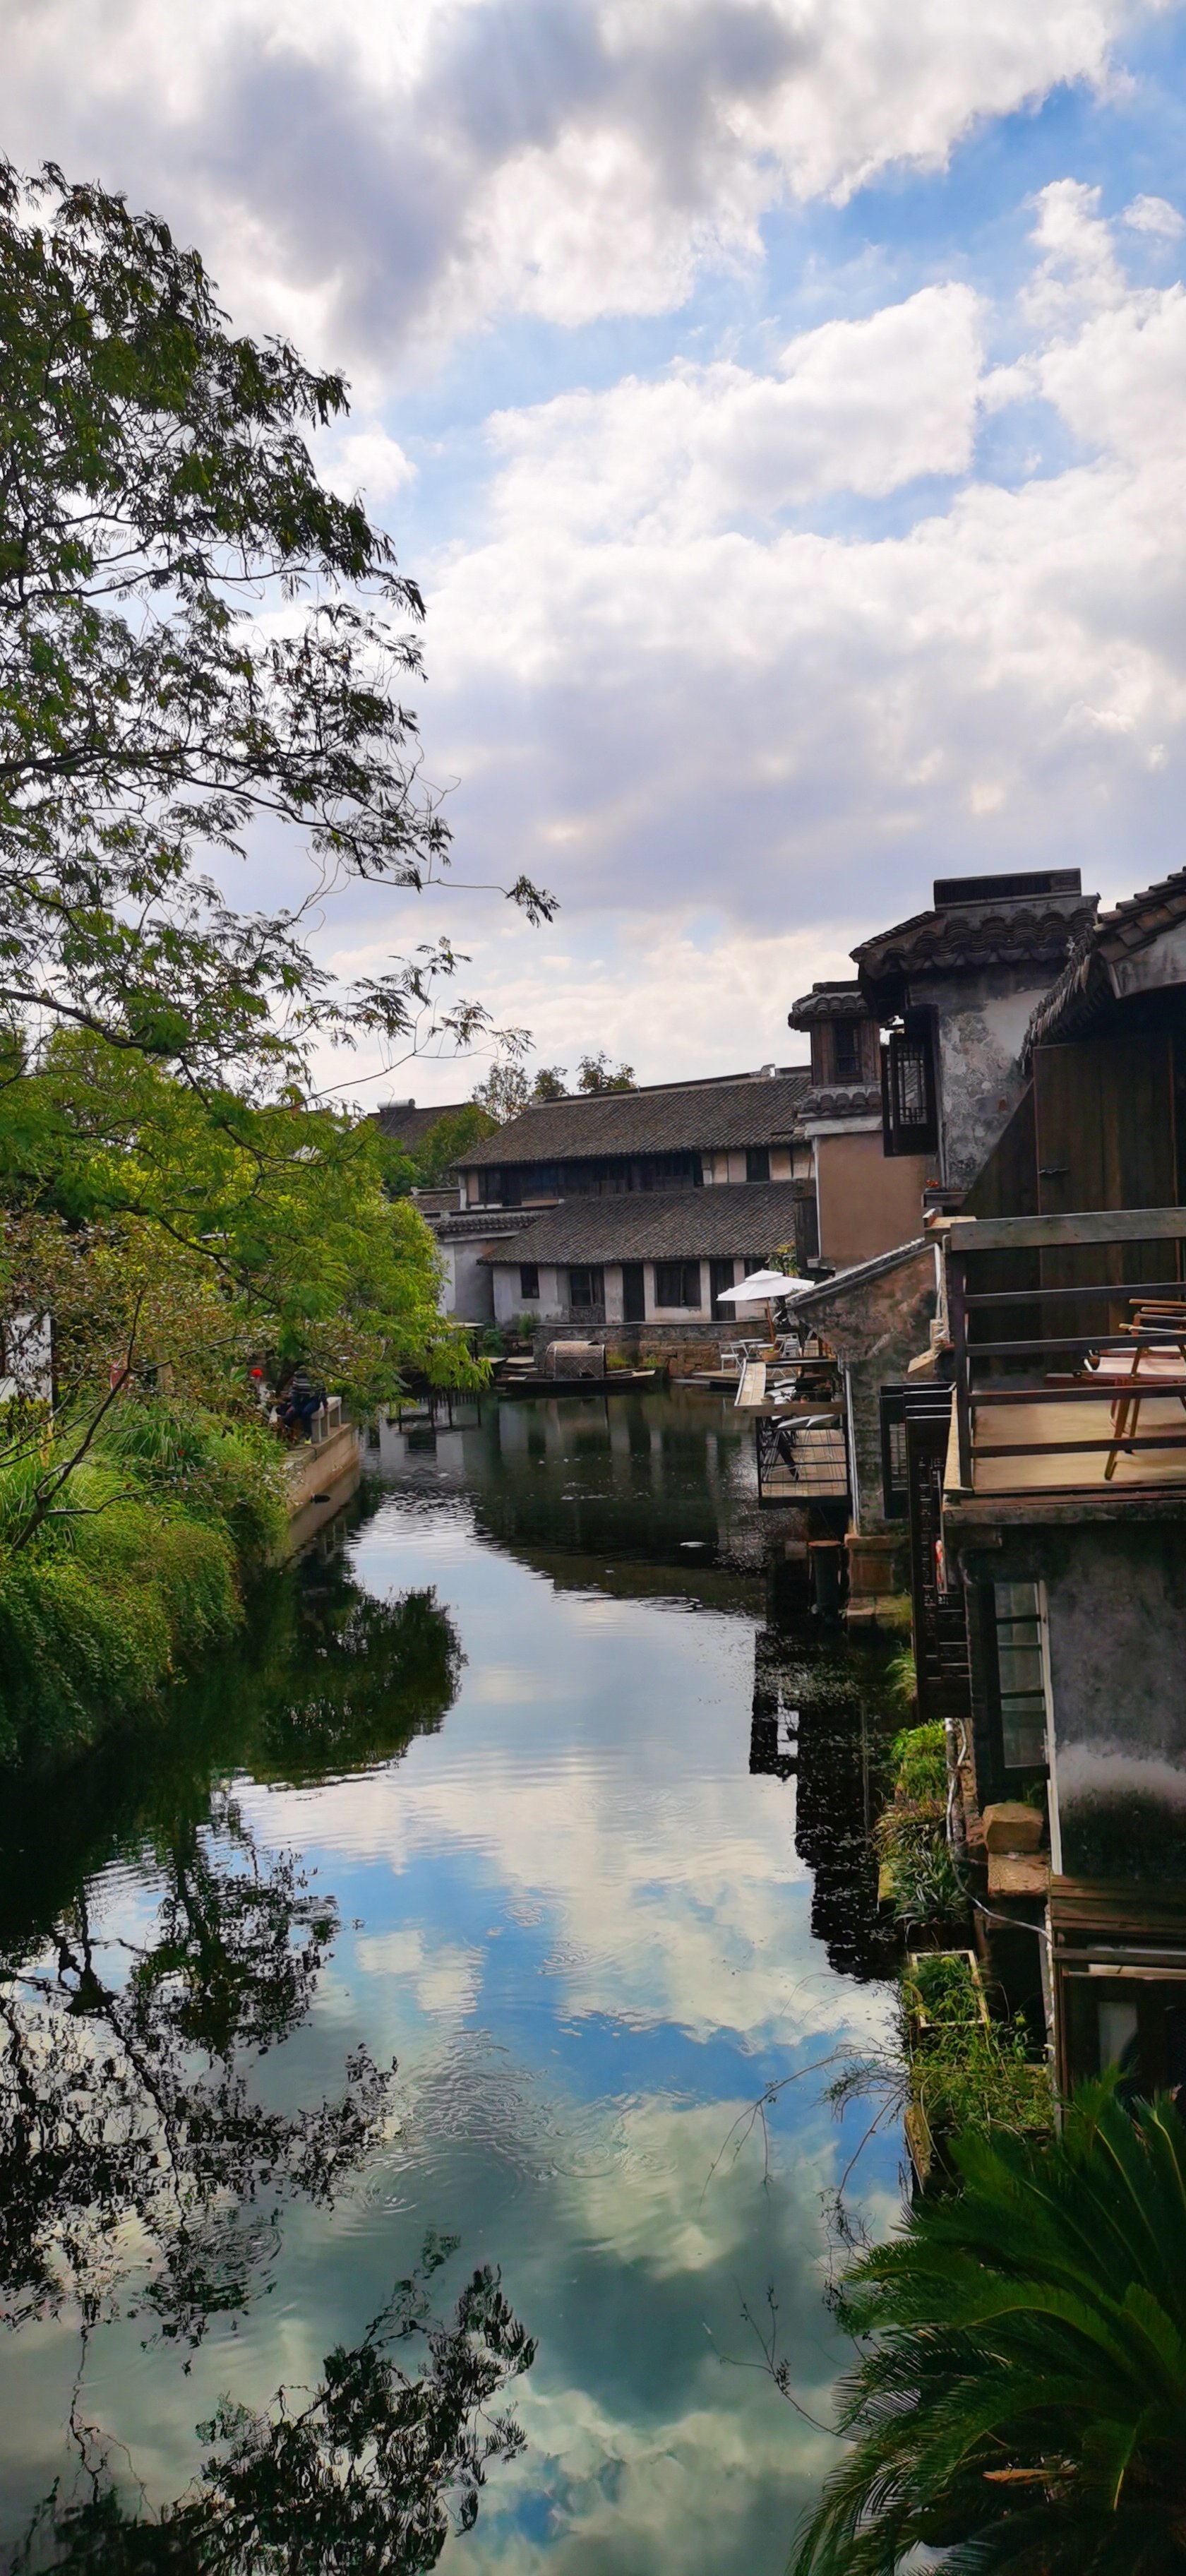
[567, 1904]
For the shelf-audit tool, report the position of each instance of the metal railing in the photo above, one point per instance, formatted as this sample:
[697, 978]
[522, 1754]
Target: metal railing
[1075, 1333]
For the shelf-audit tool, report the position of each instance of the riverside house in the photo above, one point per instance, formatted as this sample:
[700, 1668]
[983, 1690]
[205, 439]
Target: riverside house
[900, 1124]
[1062, 1491]
[641, 1207]
[463, 1235]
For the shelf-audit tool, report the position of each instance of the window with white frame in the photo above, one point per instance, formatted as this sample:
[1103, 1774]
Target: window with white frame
[1021, 1675]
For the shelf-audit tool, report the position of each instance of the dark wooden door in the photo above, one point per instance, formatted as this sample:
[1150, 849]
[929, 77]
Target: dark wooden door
[634, 1303]
[720, 1276]
[1104, 1116]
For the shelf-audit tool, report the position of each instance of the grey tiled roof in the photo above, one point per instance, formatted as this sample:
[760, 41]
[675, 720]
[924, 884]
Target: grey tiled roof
[461, 1225]
[840, 1000]
[842, 1100]
[860, 1274]
[1000, 931]
[662, 1225]
[1084, 993]
[409, 1125]
[666, 1118]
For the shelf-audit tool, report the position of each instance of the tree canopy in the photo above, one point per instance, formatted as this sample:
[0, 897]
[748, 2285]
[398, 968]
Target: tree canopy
[509, 1089]
[197, 638]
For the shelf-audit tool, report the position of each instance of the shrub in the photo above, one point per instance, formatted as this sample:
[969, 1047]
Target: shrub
[919, 1756]
[134, 1574]
[901, 1679]
[1019, 2402]
[231, 1473]
[96, 1614]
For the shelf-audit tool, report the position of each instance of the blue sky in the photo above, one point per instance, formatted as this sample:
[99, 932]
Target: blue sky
[781, 404]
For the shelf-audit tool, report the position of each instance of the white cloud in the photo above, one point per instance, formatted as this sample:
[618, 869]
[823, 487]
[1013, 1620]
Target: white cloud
[365, 461]
[1155, 215]
[857, 406]
[364, 172]
[443, 1978]
[1079, 266]
[658, 697]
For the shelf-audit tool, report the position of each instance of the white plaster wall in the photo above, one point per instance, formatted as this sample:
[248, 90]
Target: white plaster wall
[613, 1292]
[507, 1301]
[471, 1283]
[782, 1163]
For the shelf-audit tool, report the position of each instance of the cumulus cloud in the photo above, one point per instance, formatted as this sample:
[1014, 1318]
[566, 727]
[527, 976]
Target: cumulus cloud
[366, 460]
[1155, 215]
[856, 406]
[646, 687]
[370, 170]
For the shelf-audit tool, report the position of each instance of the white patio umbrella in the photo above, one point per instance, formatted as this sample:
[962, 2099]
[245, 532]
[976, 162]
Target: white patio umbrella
[760, 1285]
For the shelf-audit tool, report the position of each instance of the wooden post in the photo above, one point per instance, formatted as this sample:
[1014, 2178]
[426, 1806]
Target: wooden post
[958, 1326]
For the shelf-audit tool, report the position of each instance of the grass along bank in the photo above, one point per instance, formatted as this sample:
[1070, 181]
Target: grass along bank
[134, 1571]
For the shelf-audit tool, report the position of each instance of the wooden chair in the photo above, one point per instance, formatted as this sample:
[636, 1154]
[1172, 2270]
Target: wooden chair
[1147, 1364]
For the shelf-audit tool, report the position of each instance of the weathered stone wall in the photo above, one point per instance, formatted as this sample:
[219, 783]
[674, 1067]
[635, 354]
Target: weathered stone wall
[877, 1320]
[694, 1345]
[982, 1022]
[1116, 1607]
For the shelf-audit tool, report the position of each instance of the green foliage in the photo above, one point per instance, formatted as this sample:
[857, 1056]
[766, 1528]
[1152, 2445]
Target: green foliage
[1020, 2403]
[926, 1887]
[919, 1756]
[508, 1089]
[448, 1140]
[911, 1837]
[96, 1616]
[199, 1240]
[911, 1834]
[967, 2072]
[157, 501]
[133, 1571]
[942, 1987]
[595, 1073]
[231, 1473]
[902, 1679]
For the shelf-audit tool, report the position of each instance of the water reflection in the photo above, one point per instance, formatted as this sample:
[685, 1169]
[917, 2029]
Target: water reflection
[509, 1726]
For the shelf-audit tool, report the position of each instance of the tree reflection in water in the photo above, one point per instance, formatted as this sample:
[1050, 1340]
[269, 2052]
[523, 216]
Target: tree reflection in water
[361, 2476]
[139, 2170]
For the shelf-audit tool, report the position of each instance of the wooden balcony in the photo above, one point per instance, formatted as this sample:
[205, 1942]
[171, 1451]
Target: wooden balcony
[1066, 1386]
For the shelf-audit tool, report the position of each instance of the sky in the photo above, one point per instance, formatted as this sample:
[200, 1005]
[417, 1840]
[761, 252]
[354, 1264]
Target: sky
[780, 403]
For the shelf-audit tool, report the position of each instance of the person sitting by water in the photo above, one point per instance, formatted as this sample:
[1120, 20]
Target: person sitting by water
[302, 1399]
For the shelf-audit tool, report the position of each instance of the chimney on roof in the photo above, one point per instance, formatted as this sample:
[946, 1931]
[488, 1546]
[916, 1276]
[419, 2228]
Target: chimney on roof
[1023, 888]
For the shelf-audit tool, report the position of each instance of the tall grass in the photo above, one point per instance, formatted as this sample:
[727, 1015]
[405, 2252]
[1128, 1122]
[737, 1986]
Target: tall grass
[136, 1573]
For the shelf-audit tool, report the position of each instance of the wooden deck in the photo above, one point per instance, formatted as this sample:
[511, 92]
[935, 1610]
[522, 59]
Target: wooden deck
[1053, 1467]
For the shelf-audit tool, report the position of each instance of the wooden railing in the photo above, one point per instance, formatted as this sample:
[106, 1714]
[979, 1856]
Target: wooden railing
[1068, 1325]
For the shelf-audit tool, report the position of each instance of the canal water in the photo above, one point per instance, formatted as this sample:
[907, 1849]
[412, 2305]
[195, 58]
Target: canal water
[536, 1777]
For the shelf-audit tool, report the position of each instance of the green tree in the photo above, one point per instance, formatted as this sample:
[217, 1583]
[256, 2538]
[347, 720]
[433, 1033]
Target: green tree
[1021, 2404]
[196, 637]
[447, 1141]
[596, 1073]
[508, 1089]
